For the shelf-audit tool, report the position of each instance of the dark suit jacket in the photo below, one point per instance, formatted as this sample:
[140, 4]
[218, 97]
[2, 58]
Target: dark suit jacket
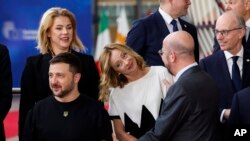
[216, 66]
[240, 110]
[189, 110]
[147, 34]
[5, 87]
[35, 82]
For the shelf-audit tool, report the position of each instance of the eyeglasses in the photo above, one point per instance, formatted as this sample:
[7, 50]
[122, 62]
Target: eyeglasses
[160, 52]
[225, 32]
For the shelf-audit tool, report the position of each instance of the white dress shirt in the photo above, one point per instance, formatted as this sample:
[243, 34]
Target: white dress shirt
[167, 18]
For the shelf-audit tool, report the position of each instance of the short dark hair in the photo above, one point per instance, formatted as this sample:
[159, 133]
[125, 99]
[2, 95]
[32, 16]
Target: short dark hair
[68, 58]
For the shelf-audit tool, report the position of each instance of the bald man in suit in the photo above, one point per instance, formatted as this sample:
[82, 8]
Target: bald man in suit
[189, 111]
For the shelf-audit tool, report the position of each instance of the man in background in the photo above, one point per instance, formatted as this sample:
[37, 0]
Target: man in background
[242, 8]
[230, 66]
[147, 34]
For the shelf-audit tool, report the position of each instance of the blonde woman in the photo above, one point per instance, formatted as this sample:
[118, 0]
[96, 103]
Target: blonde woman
[136, 90]
[56, 34]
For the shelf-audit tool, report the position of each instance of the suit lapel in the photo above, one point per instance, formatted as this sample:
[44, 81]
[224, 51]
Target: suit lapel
[184, 26]
[247, 46]
[161, 24]
[223, 69]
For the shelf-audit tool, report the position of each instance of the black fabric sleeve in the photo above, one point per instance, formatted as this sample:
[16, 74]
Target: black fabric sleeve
[5, 82]
[28, 129]
[105, 128]
[27, 99]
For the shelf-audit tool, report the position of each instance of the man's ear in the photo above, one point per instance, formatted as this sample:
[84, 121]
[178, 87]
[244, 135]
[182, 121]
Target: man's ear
[77, 77]
[242, 33]
[172, 56]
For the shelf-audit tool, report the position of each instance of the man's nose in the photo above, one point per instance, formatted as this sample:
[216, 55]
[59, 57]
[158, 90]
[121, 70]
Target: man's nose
[219, 36]
[53, 80]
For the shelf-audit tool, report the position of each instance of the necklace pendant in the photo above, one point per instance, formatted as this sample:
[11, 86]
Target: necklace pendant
[65, 113]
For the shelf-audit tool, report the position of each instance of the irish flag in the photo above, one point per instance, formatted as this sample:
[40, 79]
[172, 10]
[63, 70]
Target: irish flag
[122, 27]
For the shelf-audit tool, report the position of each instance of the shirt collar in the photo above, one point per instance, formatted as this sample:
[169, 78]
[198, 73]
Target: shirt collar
[228, 55]
[167, 18]
[248, 23]
[183, 70]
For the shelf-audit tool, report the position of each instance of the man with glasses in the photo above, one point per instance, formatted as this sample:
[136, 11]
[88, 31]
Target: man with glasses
[241, 7]
[230, 66]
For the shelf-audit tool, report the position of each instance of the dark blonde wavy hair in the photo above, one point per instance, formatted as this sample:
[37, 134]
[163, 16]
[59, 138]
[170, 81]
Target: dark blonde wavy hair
[46, 23]
[109, 77]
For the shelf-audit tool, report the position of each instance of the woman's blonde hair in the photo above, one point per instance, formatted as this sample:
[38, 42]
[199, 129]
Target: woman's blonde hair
[109, 77]
[46, 22]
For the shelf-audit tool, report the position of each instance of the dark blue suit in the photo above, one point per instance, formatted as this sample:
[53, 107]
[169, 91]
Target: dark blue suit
[216, 66]
[147, 34]
[240, 115]
[240, 110]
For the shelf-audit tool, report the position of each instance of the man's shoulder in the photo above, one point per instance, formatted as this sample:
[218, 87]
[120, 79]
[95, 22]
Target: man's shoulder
[244, 94]
[213, 57]
[148, 18]
[247, 52]
[84, 99]
[88, 101]
[182, 21]
[42, 104]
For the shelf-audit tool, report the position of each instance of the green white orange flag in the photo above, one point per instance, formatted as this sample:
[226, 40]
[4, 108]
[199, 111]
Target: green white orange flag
[122, 27]
[103, 37]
